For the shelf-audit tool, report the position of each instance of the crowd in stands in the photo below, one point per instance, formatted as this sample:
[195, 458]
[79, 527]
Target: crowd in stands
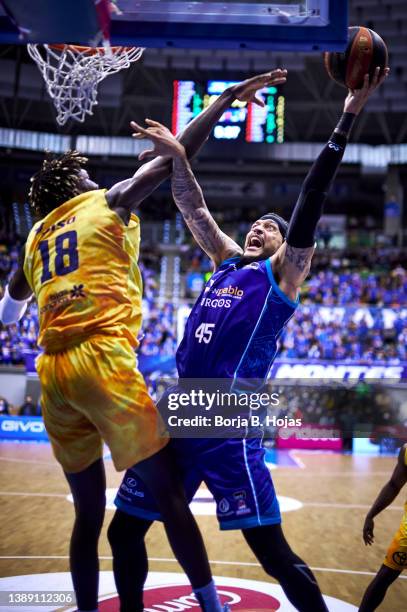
[27, 408]
[367, 321]
[353, 307]
[350, 335]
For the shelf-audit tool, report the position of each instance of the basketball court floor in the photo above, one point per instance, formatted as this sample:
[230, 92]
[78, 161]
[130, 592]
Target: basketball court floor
[324, 497]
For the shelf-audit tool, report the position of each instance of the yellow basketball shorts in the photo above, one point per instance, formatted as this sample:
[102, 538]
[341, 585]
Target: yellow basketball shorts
[94, 392]
[396, 556]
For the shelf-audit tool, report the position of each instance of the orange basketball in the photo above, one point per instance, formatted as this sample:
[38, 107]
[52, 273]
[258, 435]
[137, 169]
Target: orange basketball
[364, 52]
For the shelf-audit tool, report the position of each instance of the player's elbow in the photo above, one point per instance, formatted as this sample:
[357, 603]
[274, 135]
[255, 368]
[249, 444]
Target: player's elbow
[9, 318]
[393, 486]
[11, 310]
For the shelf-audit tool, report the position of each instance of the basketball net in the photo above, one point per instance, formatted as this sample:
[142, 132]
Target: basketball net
[72, 74]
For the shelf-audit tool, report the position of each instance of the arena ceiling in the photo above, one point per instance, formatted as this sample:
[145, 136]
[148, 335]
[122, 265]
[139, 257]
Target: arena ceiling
[145, 90]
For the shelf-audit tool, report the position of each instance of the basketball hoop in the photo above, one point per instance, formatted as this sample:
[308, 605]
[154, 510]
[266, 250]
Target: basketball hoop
[72, 74]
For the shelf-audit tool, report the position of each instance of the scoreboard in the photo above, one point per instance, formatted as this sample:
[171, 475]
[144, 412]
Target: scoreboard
[244, 122]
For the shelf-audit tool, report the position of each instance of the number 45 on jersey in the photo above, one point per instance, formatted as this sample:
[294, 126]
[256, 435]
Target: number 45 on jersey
[204, 332]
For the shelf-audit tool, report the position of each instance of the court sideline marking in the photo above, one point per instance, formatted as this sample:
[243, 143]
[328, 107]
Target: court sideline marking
[217, 562]
[288, 471]
[305, 504]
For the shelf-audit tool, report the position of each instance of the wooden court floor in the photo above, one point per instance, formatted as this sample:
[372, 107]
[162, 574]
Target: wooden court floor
[335, 490]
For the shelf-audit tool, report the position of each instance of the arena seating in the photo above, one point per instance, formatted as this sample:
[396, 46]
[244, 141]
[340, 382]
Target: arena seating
[364, 289]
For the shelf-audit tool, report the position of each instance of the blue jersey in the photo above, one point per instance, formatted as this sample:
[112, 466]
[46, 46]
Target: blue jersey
[233, 328]
[231, 333]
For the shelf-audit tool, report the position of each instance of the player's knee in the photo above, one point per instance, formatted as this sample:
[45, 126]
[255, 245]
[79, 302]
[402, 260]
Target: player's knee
[285, 564]
[270, 566]
[117, 533]
[114, 534]
[126, 530]
[90, 516]
[176, 501]
[386, 576]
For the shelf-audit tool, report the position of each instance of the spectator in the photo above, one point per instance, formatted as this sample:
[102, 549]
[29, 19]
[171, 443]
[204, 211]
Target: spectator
[353, 308]
[4, 406]
[28, 408]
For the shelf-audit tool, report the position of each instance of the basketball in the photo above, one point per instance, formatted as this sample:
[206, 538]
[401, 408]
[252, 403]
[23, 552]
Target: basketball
[364, 52]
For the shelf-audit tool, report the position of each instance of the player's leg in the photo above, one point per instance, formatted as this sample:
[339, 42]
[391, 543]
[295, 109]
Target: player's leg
[237, 476]
[128, 421]
[126, 535]
[279, 561]
[162, 478]
[88, 491]
[377, 589]
[137, 510]
[77, 446]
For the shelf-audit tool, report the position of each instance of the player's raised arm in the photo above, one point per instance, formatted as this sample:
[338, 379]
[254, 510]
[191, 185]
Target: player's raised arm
[386, 496]
[293, 259]
[16, 295]
[129, 193]
[189, 199]
[188, 195]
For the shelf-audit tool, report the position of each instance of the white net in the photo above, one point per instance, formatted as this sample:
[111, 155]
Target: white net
[72, 74]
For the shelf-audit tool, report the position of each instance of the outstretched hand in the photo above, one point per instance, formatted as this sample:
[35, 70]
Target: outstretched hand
[246, 90]
[357, 98]
[368, 531]
[163, 140]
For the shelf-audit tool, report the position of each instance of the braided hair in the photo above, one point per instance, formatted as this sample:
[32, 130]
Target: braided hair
[58, 181]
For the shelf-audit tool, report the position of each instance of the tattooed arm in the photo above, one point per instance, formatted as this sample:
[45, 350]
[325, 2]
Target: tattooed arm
[188, 195]
[292, 261]
[189, 199]
[292, 266]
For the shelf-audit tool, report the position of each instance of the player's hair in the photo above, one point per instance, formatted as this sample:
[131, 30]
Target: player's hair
[56, 182]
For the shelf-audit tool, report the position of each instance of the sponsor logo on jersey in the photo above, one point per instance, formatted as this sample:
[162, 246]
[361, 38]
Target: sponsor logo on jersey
[400, 558]
[241, 506]
[237, 495]
[131, 482]
[224, 506]
[216, 303]
[130, 488]
[52, 228]
[229, 291]
[224, 296]
[63, 297]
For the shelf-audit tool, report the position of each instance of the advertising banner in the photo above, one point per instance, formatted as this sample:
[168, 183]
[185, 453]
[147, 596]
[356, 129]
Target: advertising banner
[338, 370]
[309, 436]
[22, 428]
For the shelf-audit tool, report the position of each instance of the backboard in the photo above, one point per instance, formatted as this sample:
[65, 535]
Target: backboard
[292, 25]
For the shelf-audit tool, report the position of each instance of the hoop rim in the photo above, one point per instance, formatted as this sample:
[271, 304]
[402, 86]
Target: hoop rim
[88, 50]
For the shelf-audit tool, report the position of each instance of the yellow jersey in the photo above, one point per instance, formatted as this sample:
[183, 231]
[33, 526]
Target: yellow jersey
[81, 264]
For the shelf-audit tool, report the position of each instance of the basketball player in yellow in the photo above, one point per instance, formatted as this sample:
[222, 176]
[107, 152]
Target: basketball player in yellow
[80, 263]
[395, 560]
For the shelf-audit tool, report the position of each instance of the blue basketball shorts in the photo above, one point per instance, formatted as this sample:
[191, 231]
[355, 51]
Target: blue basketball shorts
[234, 471]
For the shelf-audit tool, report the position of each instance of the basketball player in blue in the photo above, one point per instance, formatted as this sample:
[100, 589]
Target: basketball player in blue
[232, 333]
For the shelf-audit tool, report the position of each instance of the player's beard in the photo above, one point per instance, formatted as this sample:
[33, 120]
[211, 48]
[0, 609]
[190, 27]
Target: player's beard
[266, 254]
